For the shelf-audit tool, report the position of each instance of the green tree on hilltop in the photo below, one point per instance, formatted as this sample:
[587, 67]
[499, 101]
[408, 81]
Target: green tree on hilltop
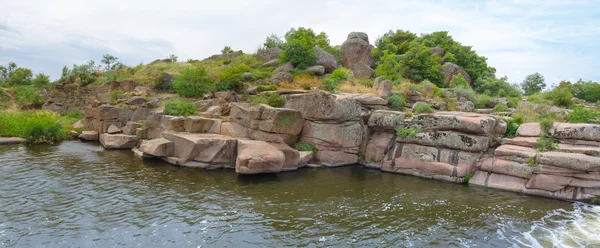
[533, 83]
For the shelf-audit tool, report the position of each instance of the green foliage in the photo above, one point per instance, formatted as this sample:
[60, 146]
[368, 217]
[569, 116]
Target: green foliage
[179, 107]
[193, 82]
[513, 102]
[588, 91]
[226, 50]
[389, 67]
[584, 115]
[538, 98]
[533, 83]
[467, 93]
[546, 142]
[272, 99]
[114, 95]
[161, 83]
[305, 147]
[501, 107]
[173, 58]
[36, 127]
[339, 75]
[512, 125]
[475, 65]
[109, 61]
[483, 101]
[20, 76]
[420, 108]
[458, 81]
[262, 88]
[561, 97]
[396, 102]
[406, 132]
[273, 41]
[73, 115]
[40, 80]
[393, 42]
[83, 74]
[468, 177]
[28, 95]
[418, 64]
[232, 77]
[299, 47]
[498, 87]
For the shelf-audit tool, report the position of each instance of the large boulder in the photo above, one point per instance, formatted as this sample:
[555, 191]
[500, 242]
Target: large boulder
[356, 49]
[118, 141]
[333, 136]
[328, 61]
[334, 158]
[451, 69]
[89, 136]
[271, 63]
[287, 67]
[449, 139]
[467, 106]
[256, 157]
[324, 106]
[590, 132]
[292, 156]
[267, 54]
[136, 100]
[362, 71]
[266, 118]
[447, 121]
[385, 120]
[384, 89]
[158, 148]
[317, 70]
[281, 77]
[197, 124]
[206, 148]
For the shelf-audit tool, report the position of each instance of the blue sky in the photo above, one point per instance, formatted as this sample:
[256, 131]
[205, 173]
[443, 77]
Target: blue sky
[557, 38]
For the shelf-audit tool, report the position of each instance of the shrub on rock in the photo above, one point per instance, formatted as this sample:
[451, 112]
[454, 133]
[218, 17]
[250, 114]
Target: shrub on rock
[179, 107]
[420, 108]
[193, 82]
[396, 102]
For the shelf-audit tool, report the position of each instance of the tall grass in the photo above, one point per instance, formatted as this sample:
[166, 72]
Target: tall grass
[36, 126]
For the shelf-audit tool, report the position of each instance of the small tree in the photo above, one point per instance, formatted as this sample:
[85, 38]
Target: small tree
[173, 58]
[226, 49]
[109, 61]
[533, 83]
[20, 76]
[40, 79]
[273, 41]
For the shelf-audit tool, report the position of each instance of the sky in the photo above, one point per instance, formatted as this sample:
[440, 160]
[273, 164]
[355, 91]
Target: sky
[557, 38]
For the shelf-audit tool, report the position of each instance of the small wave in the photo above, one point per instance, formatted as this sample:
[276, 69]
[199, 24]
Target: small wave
[579, 227]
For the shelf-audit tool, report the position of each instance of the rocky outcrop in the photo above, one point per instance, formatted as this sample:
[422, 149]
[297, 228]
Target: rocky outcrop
[316, 70]
[262, 122]
[571, 172]
[362, 71]
[11, 140]
[281, 77]
[325, 59]
[451, 69]
[255, 157]
[332, 123]
[356, 49]
[88, 136]
[118, 141]
[267, 54]
[444, 145]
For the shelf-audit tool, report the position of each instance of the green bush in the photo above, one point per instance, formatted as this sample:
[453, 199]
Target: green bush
[179, 107]
[305, 147]
[232, 77]
[114, 95]
[299, 48]
[420, 108]
[36, 127]
[467, 93]
[498, 87]
[159, 83]
[561, 97]
[458, 81]
[28, 95]
[533, 84]
[538, 98]
[583, 115]
[339, 75]
[406, 132]
[588, 91]
[501, 107]
[389, 67]
[263, 88]
[272, 99]
[512, 125]
[396, 102]
[546, 142]
[226, 50]
[513, 102]
[193, 82]
[483, 101]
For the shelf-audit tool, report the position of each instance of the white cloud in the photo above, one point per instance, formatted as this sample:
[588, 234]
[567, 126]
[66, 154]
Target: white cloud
[557, 38]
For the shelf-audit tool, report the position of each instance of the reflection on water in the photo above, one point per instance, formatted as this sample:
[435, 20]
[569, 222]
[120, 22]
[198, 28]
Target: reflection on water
[76, 194]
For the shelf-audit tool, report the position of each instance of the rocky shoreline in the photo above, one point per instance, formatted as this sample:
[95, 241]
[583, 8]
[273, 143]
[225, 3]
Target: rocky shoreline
[346, 129]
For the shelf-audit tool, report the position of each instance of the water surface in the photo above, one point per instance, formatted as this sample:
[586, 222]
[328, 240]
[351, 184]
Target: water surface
[78, 195]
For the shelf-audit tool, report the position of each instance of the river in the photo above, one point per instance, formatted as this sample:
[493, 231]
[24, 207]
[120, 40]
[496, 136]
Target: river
[78, 195]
